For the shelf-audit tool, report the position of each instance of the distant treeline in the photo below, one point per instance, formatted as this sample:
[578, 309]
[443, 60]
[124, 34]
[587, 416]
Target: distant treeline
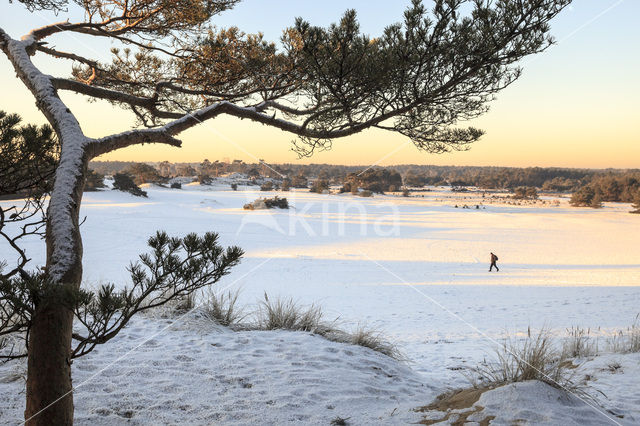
[604, 185]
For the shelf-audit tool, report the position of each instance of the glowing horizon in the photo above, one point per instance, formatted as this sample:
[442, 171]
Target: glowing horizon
[573, 107]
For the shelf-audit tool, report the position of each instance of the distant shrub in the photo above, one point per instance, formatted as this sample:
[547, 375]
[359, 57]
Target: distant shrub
[586, 197]
[414, 179]
[267, 203]
[636, 203]
[525, 193]
[94, 181]
[365, 193]
[286, 185]
[319, 186]
[405, 193]
[348, 187]
[204, 179]
[176, 185]
[124, 182]
[267, 186]
[375, 179]
[144, 173]
[234, 186]
[299, 181]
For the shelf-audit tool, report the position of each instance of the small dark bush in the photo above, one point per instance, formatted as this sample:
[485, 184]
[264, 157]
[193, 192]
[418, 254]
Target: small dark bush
[455, 188]
[319, 186]
[267, 186]
[586, 197]
[144, 173]
[234, 186]
[204, 179]
[94, 181]
[525, 193]
[176, 185]
[276, 202]
[299, 181]
[366, 193]
[268, 203]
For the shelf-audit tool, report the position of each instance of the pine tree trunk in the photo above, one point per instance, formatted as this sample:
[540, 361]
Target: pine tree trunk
[49, 386]
[49, 389]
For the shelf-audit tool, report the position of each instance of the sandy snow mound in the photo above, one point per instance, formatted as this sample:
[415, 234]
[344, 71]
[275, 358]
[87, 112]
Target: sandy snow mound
[537, 403]
[198, 373]
[524, 403]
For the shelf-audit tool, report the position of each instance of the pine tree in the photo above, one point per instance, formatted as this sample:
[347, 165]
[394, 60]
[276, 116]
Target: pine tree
[173, 69]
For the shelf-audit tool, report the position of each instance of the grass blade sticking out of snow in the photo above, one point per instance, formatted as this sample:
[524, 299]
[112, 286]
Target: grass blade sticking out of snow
[221, 307]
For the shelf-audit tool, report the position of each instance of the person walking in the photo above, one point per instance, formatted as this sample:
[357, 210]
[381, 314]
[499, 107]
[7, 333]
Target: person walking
[494, 259]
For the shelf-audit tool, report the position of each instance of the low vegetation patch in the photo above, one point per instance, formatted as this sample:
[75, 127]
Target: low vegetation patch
[373, 339]
[579, 343]
[280, 314]
[286, 314]
[267, 186]
[533, 358]
[222, 308]
[525, 193]
[626, 341]
[267, 203]
[320, 186]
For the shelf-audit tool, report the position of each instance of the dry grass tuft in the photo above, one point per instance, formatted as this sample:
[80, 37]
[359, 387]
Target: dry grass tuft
[533, 358]
[221, 308]
[579, 343]
[627, 341]
[373, 339]
[286, 314]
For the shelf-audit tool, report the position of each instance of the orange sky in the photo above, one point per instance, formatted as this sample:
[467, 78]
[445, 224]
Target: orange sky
[575, 105]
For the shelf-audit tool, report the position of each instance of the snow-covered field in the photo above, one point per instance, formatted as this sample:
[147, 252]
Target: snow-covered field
[414, 268]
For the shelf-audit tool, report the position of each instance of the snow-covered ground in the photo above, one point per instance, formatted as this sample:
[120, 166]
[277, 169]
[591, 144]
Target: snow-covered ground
[415, 268]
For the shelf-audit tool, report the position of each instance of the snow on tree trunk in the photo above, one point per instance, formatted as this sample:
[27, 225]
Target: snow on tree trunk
[49, 388]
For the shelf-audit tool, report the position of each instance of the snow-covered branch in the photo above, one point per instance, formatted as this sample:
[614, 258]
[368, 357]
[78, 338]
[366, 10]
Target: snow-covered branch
[133, 137]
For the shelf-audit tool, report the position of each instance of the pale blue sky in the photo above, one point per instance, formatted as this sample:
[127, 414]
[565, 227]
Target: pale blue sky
[576, 104]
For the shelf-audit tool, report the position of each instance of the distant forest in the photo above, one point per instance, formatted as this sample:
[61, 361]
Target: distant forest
[603, 185]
